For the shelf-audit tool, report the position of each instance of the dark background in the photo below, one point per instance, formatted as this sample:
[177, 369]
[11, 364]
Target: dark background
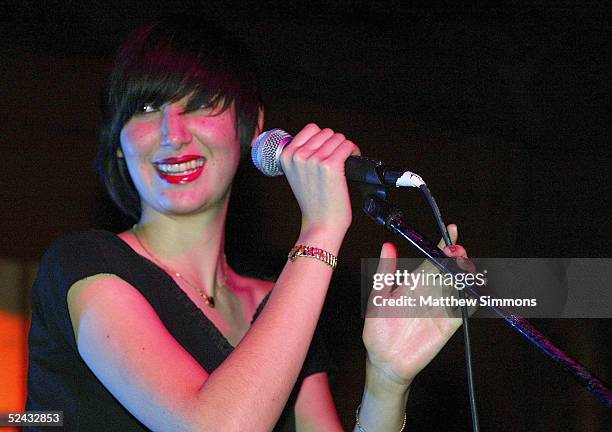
[503, 110]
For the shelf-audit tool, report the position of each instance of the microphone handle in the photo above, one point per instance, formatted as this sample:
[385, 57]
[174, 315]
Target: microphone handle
[362, 169]
[374, 172]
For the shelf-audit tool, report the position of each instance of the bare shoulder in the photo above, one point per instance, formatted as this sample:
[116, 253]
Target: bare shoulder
[124, 343]
[105, 293]
[83, 293]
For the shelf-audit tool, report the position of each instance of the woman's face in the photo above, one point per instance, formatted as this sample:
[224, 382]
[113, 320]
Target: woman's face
[181, 161]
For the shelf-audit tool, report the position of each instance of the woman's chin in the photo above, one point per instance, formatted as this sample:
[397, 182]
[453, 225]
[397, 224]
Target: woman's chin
[189, 207]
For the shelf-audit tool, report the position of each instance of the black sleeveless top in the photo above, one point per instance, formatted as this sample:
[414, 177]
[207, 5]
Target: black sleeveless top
[59, 379]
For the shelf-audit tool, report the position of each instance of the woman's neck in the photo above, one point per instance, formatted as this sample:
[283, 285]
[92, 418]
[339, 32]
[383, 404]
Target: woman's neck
[192, 245]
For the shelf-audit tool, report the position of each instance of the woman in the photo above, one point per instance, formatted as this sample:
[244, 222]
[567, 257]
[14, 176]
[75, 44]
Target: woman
[151, 328]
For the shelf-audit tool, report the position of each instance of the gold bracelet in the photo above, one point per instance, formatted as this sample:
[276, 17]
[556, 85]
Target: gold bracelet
[361, 429]
[313, 252]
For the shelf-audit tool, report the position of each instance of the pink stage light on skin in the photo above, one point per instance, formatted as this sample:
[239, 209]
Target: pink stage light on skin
[194, 166]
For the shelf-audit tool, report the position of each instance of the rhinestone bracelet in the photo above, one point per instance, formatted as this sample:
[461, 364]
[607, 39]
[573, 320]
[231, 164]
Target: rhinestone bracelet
[313, 252]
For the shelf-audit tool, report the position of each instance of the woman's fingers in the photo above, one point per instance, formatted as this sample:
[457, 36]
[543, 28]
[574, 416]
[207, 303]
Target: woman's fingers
[453, 232]
[314, 166]
[318, 145]
[341, 153]
[323, 143]
[455, 251]
[388, 258]
[383, 285]
[387, 264]
[303, 136]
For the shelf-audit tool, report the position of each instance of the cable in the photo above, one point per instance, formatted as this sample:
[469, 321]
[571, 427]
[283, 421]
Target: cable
[464, 312]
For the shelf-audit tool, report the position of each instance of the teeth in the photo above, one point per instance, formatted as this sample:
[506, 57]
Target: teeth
[182, 168]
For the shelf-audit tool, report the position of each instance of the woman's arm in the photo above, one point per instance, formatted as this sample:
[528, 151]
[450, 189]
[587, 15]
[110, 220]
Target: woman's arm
[315, 410]
[398, 349]
[383, 402]
[123, 341]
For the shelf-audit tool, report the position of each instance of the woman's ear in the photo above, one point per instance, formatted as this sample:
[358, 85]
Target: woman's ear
[260, 125]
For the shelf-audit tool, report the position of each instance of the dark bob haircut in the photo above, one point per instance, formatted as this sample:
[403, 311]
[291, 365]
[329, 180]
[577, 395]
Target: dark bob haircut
[165, 62]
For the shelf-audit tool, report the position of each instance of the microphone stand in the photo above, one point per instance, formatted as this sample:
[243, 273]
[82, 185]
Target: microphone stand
[391, 218]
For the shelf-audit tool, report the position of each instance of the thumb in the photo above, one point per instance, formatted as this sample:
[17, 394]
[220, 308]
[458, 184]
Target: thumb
[388, 259]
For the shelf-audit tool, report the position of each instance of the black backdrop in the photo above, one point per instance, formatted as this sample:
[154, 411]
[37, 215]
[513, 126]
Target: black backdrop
[503, 110]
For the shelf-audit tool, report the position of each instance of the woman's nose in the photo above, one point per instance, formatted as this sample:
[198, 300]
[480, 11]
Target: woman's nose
[174, 131]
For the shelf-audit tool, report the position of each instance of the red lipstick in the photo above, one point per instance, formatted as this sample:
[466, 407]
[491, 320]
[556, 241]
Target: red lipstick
[181, 169]
[178, 159]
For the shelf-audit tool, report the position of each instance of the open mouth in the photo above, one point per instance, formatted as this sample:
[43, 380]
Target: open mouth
[180, 170]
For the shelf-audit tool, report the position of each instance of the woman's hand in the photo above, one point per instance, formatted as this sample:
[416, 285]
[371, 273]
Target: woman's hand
[399, 348]
[314, 166]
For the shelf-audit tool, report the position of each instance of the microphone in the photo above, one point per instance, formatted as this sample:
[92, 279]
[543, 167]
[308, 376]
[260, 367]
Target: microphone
[269, 145]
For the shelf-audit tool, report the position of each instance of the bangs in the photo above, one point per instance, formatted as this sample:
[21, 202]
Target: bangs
[161, 74]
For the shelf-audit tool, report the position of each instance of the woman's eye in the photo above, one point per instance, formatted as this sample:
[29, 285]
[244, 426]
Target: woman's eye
[147, 108]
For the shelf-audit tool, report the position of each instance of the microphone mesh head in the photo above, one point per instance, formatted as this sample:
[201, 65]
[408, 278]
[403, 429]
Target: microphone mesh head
[267, 149]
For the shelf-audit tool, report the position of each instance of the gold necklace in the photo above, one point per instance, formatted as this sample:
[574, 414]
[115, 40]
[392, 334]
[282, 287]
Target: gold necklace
[208, 300]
